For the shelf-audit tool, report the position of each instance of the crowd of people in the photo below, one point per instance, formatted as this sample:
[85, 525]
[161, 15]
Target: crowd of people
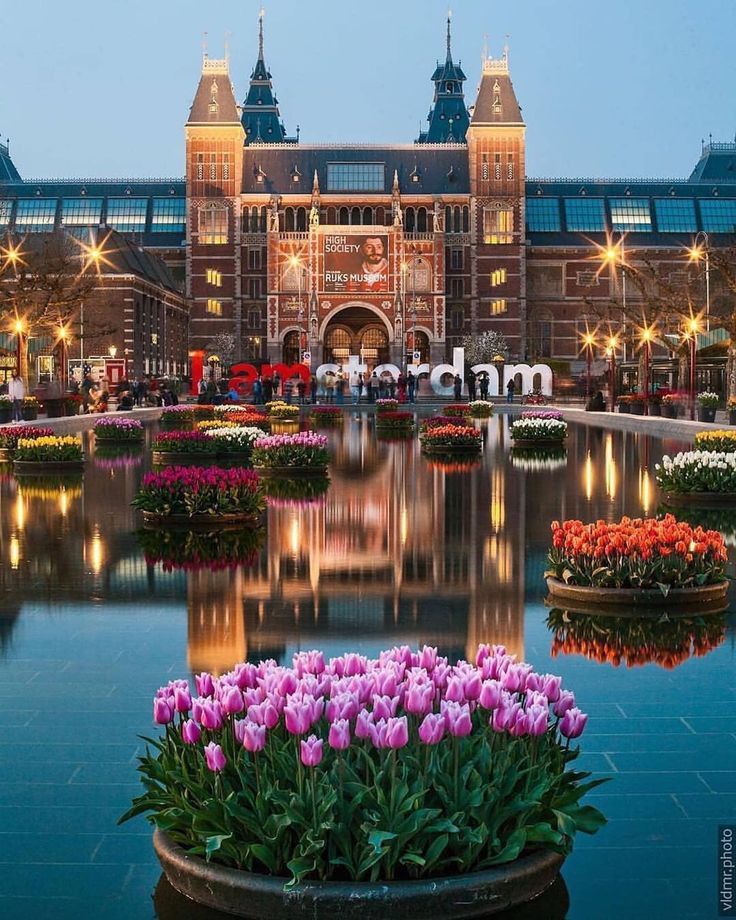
[335, 387]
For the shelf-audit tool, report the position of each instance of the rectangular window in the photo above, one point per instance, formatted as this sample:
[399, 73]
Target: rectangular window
[457, 287]
[214, 307]
[356, 177]
[630, 214]
[587, 279]
[254, 288]
[484, 173]
[497, 166]
[456, 258]
[169, 215]
[585, 215]
[498, 277]
[254, 258]
[213, 167]
[226, 166]
[457, 318]
[255, 318]
[35, 215]
[498, 225]
[675, 215]
[718, 216]
[498, 306]
[200, 166]
[510, 166]
[127, 215]
[214, 277]
[81, 212]
[213, 228]
[6, 211]
[543, 215]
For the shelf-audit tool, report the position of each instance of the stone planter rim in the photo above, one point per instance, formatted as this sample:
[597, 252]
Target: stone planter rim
[183, 458]
[638, 597]
[40, 467]
[680, 499]
[262, 897]
[194, 521]
[286, 471]
[539, 443]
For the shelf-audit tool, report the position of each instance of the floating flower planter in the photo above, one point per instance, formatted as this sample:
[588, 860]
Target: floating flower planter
[118, 431]
[196, 497]
[457, 410]
[9, 438]
[326, 415]
[698, 477]
[634, 641]
[283, 412]
[234, 444]
[538, 429]
[723, 441]
[387, 405]
[48, 454]
[637, 563]
[395, 423]
[349, 788]
[302, 454]
[183, 447]
[452, 439]
[481, 408]
[185, 416]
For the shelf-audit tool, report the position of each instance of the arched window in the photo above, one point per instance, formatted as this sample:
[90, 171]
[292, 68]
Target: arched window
[448, 219]
[409, 220]
[374, 346]
[380, 217]
[466, 220]
[355, 216]
[421, 220]
[337, 345]
[289, 220]
[331, 216]
[301, 219]
[367, 216]
[344, 216]
[291, 347]
[419, 341]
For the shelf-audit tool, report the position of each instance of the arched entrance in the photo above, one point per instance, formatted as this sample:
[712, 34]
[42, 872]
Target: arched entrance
[291, 351]
[356, 330]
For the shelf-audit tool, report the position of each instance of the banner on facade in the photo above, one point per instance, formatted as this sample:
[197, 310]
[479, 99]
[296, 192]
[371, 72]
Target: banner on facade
[355, 262]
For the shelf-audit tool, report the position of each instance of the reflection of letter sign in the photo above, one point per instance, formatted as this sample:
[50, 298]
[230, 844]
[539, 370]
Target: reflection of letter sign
[306, 356]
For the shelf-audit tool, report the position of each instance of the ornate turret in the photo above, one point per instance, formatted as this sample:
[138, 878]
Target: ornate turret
[448, 118]
[8, 172]
[261, 118]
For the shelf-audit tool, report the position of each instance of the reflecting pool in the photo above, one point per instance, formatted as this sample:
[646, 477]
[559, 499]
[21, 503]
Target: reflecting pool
[94, 616]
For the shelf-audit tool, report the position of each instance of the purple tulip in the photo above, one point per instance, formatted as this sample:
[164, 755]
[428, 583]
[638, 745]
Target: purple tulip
[216, 760]
[565, 702]
[419, 698]
[538, 718]
[490, 694]
[385, 682]
[190, 732]
[384, 707]
[428, 658]
[432, 729]
[363, 724]
[520, 725]
[288, 683]
[311, 751]
[205, 684]
[211, 717]
[455, 692]
[182, 699]
[457, 718]
[377, 731]
[397, 733]
[232, 701]
[354, 664]
[253, 736]
[551, 687]
[298, 717]
[573, 723]
[339, 736]
[162, 712]
[504, 716]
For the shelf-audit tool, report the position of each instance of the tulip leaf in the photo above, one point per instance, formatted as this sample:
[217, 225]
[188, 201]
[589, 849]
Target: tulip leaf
[377, 839]
[213, 844]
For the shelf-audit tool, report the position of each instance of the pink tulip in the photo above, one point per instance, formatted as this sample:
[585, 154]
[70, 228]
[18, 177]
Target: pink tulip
[428, 658]
[377, 733]
[182, 699]
[397, 733]
[490, 694]
[190, 732]
[565, 701]
[538, 716]
[363, 724]
[311, 751]
[339, 735]
[573, 723]
[551, 687]
[504, 716]
[419, 698]
[384, 707]
[455, 691]
[232, 701]
[216, 760]
[162, 712]
[472, 685]
[457, 718]
[432, 729]
[297, 717]
[211, 717]
[520, 725]
[205, 684]
[253, 736]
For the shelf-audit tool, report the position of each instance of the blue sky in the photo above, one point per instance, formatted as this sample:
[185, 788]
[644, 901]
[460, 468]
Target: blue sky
[627, 88]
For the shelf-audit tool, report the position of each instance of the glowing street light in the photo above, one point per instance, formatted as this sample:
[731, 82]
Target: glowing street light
[611, 346]
[112, 351]
[700, 252]
[63, 338]
[616, 255]
[692, 329]
[647, 334]
[589, 343]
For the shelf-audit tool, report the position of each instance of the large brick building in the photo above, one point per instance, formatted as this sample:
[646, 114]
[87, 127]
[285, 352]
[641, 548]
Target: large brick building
[376, 250]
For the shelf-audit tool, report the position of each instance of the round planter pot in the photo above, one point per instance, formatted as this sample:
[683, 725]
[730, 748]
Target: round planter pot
[262, 897]
[118, 442]
[6, 416]
[624, 408]
[669, 411]
[196, 521]
[706, 414]
[679, 499]
[29, 415]
[732, 416]
[180, 458]
[284, 472]
[40, 467]
[637, 597]
[546, 444]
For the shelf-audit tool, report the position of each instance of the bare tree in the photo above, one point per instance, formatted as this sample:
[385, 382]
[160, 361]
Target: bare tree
[723, 304]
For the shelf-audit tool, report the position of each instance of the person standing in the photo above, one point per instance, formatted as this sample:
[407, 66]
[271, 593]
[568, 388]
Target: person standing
[17, 392]
[411, 386]
[401, 387]
[373, 385]
[458, 386]
[258, 390]
[267, 389]
[484, 381]
[471, 379]
[313, 389]
[355, 387]
[510, 390]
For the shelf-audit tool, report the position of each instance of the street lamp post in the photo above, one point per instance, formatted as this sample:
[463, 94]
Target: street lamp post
[700, 251]
[616, 255]
[63, 357]
[646, 339]
[589, 341]
[693, 327]
[19, 345]
[611, 354]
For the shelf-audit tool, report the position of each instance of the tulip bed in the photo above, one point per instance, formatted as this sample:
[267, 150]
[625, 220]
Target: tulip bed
[185, 442]
[637, 554]
[283, 411]
[441, 421]
[697, 471]
[457, 410]
[234, 439]
[326, 415]
[9, 437]
[481, 408]
[719, 441]
[209, 424]
[192, 550]
[634, 642]
[305, 450]
[400, 767]
[49, 449]
[451, 437]
[185, 415]
[190, 491]
[118, 429]
[387, 405]
[535, 429]
[396, 421]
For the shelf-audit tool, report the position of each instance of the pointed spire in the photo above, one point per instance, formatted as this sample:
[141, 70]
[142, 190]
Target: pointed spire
[449, 37]
[260, 117]
[395, 186]
[261, 14]
[448, 118]
[315, 185]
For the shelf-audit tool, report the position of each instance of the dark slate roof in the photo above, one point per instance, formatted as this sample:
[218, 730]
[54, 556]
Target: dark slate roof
[448, 118]
[484, 111]
[214, 101]
[717, 163]
[260, 117]
[441, 169]
[8, 172]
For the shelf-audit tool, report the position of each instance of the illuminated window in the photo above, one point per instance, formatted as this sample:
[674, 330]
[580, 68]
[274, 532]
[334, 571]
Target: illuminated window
[499, 306]
[543, 215]
[497, 166]
[214, 277]
[498, 225]
[718, 216]
[200, 166]
[585, 215]
[484, 173]
[510, 166]
[81, 212]
[630, 214]
[213, 225]
[675, 215]
[127, 215]
[498, 277]
[355, 177]
[169, 215]
[35, 215]
[226, 166]
[6, 211]
[214, 307]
